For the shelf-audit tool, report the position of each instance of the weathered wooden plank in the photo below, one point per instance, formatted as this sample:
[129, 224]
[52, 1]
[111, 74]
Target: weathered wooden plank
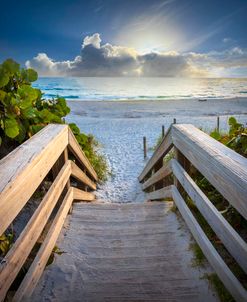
[160, 194]
[82, 195]
[160, 152]
[79, 154]
[159, 175]
[222, 270]
[18, 254]
[81, 176]
[127, 260]
[22, 171]
[31, 279]
[66, 158]
[225, 169]
[231, 239]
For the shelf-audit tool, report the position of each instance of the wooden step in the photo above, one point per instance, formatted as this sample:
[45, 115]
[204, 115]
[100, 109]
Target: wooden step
[123, 252]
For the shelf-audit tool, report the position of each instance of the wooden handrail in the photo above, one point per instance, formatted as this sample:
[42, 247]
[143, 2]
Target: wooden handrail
[225, 170]
[164, 147]
[222, 270]
[231, 239]
[21, 173]
[159, 175]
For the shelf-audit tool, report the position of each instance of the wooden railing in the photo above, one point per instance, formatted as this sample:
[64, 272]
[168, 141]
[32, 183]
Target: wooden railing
[225, 170]
[21, 173]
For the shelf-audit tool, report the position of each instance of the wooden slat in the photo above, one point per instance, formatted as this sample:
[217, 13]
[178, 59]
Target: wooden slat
[159, 175]
[222, 270]
[160, 194]
[160, 152]
[230, 238]
[22, 171]
[80, 175]
[225, 169]
[31, 279]
[79, 154]
[82, 195]
[17, 255]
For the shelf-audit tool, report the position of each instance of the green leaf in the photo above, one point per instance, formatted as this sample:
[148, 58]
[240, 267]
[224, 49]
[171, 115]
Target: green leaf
[32, 75]
[2, 95]
[215, 134]
[22, 133]
[29, 112]
[25, 104]
[11, 66]
[36, 128]
[0, 141]
[11, 127]
[4, 78]
[48, 117]
[27, 92]
[232, 121]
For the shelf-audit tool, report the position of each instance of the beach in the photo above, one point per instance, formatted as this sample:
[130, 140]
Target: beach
[119, 126]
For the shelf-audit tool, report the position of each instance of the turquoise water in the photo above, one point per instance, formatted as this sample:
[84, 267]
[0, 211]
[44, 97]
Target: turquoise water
[141, 88]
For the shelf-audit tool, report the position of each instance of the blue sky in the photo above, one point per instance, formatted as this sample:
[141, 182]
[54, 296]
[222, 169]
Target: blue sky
[167, 27]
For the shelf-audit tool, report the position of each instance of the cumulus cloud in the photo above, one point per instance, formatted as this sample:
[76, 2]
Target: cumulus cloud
[93, 40]
[96, 59]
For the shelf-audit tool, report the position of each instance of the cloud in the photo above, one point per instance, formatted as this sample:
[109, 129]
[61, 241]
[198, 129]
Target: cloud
[97, 59]
[47, 67]
[93, 40]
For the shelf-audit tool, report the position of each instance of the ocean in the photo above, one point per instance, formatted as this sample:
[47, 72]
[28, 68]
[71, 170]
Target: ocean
[96, 89]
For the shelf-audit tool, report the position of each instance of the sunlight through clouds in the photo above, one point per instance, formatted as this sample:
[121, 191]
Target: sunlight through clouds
[105, 60]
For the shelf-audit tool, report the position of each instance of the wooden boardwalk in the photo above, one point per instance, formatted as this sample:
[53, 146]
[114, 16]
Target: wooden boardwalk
[120, 252]
[123, 252]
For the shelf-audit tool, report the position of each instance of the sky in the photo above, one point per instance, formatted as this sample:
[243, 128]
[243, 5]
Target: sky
[163, 38]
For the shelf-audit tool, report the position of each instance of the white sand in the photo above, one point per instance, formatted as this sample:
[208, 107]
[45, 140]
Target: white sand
[120, 127]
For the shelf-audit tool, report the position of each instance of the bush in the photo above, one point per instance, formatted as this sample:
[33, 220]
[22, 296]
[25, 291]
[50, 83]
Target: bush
[235, 139]
[24, 112]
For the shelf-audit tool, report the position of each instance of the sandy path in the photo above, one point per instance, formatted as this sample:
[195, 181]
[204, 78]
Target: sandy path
[120, 127]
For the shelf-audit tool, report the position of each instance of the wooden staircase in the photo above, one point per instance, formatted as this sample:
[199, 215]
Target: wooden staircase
[120, 252]
[123, 252]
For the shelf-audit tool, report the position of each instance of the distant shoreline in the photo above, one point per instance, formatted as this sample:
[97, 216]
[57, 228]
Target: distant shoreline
[157, 100]
[158, 108]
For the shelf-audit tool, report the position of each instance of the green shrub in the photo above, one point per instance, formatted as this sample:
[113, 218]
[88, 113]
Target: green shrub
[24, 112]
[235, 139]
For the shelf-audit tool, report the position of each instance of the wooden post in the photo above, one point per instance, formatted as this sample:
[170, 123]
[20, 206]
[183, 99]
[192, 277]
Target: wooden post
[145, 146]
[174, 121]
[59, 164]
[218, 124]
[66, 157]
[163, 130]
[184, 162]
[158, 165]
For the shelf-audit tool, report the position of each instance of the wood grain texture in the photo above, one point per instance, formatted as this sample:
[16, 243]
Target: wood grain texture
[82, 195]
[160, 194]
[81, 176]
[157, 176]
[124, 252]
[159, 153]
[14, 260]
[75, 148]
[222, 270]
[22, 171]
[32, 277]
[225, 169]
[229, 237]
